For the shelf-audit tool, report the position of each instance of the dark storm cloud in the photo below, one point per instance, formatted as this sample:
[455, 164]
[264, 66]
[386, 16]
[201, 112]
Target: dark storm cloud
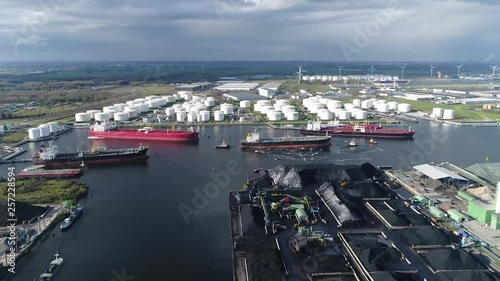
[430, 30]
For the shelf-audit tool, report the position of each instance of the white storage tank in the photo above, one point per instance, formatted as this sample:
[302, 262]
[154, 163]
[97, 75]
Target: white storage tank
[132, 113]
[169, 99]
[209, 103]
[274, 115]
[181, 116]
[178, 107]
[287, 108]
[393, 106]
[381, 102]
[54, 127]
[227, 108]
[325, 114]
[192, 117]
[292, 116]
[140, 100]
[437, 112]
[170, 111]
[92, 113]
[219, 115]
[383, 107]
[162, 102]
[153, 104]
[34, 133]
[44, 130]
[278, 107]
[108, 109]
[324, 101]
[283, 102]
[264, 102]
[121, 116]
[120, 106]
[315, 107]
[244, 104]
[343, 115]
[198, 108]
[332, 105]
[360, 114]
[356, 102]
[82, 117]
[101, 116]
[257, 107]
[365, 104]
[404, 107]
[449, 114]
[144, 107]
[204, 116]
[265, 108]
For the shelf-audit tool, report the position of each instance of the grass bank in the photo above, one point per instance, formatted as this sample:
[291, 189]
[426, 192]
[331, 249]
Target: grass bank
[13, 137]
[36, 191]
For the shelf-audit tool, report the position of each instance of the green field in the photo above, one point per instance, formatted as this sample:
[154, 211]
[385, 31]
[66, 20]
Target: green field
[35, 191]
[13, 137]
[462, 112]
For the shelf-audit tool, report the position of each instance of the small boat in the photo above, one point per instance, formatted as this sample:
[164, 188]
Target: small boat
[372, 141]
[352, 143]
[66, 224]
[52, 269]
[223, 145]
[95, 138]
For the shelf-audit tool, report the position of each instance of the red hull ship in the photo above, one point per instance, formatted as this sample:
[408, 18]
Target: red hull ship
[111, 131]
[363, 131]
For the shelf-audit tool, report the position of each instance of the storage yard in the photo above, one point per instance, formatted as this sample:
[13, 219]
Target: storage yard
[329, 222]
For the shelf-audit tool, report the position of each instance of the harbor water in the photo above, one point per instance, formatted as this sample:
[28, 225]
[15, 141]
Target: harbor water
[132, 224]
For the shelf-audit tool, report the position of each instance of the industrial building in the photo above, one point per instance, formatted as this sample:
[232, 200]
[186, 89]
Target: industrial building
[479, 101]
[416, 97]
[441, 176]
[194, 87]
[237, 86]
[268, 90]
[239, 96]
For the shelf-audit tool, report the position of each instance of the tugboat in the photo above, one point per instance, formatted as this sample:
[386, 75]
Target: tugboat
[223, 145]
[352, 143]
[66, 224]
[52, 269]
[372, 141]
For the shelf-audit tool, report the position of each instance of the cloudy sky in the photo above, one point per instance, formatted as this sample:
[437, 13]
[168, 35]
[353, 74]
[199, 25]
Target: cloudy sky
[332, 30]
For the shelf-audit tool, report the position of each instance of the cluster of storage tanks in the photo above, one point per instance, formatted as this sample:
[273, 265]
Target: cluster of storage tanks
[328, 109]
[275, 112]
[446, 114]
[44, 130]
[195, 109]
[130, 109]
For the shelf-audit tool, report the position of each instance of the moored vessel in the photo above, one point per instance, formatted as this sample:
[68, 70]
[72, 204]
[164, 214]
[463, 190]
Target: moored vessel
[52, 269]
[51, 157]
[253, 141]
[68, 222]
[356, 130]
[37, 171]
[111, 131]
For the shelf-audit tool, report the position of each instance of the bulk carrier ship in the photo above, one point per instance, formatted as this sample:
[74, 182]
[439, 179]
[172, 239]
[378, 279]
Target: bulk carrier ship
[50, 156]
[253, 141]
[110, 130]
[356, 130]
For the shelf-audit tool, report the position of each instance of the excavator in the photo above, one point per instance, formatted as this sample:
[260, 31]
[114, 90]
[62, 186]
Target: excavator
[299, 241]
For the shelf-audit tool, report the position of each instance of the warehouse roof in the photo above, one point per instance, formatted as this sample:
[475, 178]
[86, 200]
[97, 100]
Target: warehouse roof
[436, 173]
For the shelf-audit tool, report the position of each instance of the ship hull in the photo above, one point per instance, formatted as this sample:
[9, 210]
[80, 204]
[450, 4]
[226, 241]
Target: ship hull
[351, 134]
[323, 143]
[99, 158]
[65, 173]
[175, 136]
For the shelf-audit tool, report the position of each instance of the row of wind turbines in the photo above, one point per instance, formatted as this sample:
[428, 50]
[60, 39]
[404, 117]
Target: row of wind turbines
[372, 68]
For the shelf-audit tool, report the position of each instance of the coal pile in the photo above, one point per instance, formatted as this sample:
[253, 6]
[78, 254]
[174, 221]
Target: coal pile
[366, 189]
[265, 264]
[24, 212]
[452, 259]
[341, 211]
[397, 215]
[467, 276]
[426, 236]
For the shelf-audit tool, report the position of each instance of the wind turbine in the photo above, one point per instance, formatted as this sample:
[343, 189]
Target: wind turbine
[372, 69]
[432, 69]
[299, 74]
[340, 71]
[494, 68]
[458, 69]
[403, 70]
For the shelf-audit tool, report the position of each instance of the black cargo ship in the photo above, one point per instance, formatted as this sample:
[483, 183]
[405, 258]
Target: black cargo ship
[50, 157]
[253, 141]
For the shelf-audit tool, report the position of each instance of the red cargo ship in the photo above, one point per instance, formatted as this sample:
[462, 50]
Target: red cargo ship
[39, 172]
[361, 131]
[110, 130]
